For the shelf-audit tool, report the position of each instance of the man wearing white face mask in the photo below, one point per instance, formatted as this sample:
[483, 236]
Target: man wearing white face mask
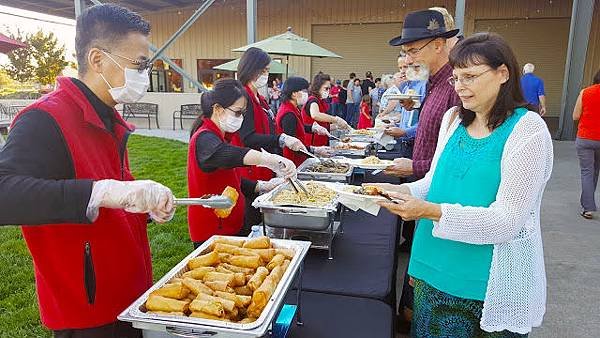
[64, 176]
[214, 163]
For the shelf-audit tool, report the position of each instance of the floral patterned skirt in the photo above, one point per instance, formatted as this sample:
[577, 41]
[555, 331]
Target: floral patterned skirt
[438, 314]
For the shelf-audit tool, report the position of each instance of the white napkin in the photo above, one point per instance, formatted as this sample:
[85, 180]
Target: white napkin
[354, 203]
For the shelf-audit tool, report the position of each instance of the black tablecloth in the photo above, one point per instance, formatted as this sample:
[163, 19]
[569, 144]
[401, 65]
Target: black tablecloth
[364, 259]
[333, 316]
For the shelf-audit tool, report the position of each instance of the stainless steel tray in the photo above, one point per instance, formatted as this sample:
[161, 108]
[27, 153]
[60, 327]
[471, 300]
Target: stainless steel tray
[303, 174]
[295, 216]
[198, 327]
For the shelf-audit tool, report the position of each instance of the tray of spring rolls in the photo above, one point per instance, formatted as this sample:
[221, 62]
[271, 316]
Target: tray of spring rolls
[330, 170]
[229, 286]
[284, 207]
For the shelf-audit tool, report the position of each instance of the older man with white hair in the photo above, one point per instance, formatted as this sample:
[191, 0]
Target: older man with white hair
[533, 89]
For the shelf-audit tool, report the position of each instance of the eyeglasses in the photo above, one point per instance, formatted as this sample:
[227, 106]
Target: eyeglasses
[143, 65]
[466, 80]
[327, 88]
[237, 112]
[415, 51]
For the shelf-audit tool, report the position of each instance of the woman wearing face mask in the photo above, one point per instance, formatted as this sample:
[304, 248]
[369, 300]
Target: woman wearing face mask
[289, 119]
[315, 110]
[258, 130]
[213, 163]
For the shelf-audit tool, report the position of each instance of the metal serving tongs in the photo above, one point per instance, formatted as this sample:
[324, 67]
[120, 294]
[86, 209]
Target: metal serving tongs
[309, 154]
[208, 201]
[298, 186]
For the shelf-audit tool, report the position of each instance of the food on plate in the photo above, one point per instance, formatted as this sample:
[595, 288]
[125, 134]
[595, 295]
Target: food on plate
[346, 139]
[367, 190]
[349, 146]
[233, 196]
[318, 196]
[371, 160]
[365, 132]
[328, 166]
[224, 286]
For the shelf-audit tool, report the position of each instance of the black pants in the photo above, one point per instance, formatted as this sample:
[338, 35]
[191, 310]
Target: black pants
[113, 330]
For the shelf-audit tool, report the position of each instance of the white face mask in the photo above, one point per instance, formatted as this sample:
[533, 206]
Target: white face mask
[325, 94]
[303, 98]
[231, 123]
[261, 81]
[136, 85]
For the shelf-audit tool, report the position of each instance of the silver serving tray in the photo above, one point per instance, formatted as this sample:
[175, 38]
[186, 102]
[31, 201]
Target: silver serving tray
[303, 174]
[199, 327]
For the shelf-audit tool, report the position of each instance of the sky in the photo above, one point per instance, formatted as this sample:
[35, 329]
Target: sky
[27, 21]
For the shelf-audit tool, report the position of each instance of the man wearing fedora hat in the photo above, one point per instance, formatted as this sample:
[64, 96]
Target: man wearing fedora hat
[423, 40]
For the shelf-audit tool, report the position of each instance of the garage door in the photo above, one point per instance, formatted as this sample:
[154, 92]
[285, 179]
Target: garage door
[364, 48]
[542, 42]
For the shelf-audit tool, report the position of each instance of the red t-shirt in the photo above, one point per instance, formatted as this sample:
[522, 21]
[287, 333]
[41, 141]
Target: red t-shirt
[335, 94]
[589, 123]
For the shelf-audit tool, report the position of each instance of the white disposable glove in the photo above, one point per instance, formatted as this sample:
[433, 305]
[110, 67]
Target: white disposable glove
[322, 151]
[341, 123]
[319, 129]
[142, 196]
[278, 164]
[292, 143]
[266, 186]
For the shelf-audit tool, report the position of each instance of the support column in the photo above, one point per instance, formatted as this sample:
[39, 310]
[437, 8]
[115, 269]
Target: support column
[579, 35]
[79, 7]
[459, 16]
[251, 18]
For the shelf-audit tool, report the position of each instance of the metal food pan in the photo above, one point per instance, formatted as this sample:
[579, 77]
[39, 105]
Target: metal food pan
[198, 327]
[303, 174]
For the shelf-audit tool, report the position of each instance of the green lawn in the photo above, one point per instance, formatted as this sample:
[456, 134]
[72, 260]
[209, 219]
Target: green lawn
[150, 158]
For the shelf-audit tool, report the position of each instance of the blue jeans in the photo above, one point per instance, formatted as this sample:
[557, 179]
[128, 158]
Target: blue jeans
[337, 110]
[351, 114]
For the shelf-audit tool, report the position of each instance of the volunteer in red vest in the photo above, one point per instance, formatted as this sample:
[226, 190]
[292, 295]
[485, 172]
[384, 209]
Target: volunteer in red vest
[258, 130]
[289, 119]
[64, 176]
[315, 110]
[213, 163]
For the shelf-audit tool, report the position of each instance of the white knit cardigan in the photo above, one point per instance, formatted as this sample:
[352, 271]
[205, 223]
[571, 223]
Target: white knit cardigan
[515, 299]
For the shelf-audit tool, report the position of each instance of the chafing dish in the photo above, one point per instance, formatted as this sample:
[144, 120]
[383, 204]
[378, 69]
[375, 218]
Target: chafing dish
[305, 174]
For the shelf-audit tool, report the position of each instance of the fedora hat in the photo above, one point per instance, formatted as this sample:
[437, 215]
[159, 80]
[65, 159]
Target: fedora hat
[420, 25]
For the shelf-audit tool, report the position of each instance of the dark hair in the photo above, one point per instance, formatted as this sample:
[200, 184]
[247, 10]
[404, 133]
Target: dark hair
[491, 49]
[345, 83]
[377, 79]
[352, 75]
[597, 78]
[104, 26]
[293, 84]
[224, 93]
[356, 79]
[369, 75]
[252, 64]
[366, 98]
[317, 82]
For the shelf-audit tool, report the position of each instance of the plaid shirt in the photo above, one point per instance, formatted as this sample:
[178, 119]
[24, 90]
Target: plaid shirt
[440, 97]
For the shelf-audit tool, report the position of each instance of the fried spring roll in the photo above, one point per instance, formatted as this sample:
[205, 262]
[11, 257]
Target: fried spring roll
[197, 286]
[219, 276]
[231, 241]
[246, 271]
[199, 273]
[209, 259]
[197, 314]
[243, 291]
[163, 313]
[262, 242]
[208, 306]
[288, 253]
[222, 269]
[286, 264]
[265, 254]
[227, 304]
[258, 278]
[223, 256]
[277, 260]
[234, 250]
[239, 279]
[217, 285]
[173, 290]
[277, 273]
[160, 303]
[239, 300]
[261, 296]
[251, 262]
[247, 320]
[233, 314]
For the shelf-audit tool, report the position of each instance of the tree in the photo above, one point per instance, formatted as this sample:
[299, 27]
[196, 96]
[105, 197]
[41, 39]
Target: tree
[21, 66]
[43, 59]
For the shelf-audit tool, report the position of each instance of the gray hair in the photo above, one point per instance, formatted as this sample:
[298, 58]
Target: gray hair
[528, 68]
[387, 80]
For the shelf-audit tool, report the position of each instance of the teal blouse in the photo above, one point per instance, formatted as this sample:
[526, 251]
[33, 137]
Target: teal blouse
[467, 173]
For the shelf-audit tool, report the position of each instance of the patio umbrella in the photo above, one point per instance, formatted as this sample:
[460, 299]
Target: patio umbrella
[275, 67]
[288, 44]
[7, 44]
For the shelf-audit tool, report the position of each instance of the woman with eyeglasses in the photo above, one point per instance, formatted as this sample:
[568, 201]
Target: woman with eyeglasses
[477, 261]
[214, 163]
[315, 110]
[289, 119]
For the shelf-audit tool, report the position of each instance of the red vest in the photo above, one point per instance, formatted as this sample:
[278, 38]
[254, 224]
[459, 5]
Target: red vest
[261, 126]
[288, 107]
[314, 139]
[113, 251]
[203, 222]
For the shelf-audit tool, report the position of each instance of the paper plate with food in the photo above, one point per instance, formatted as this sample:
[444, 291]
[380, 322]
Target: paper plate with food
[372, 162]
[365, 192]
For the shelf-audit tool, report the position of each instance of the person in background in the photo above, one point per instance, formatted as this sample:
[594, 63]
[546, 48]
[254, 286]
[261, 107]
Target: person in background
[365, 120]
[356, 97]
[587, 112]
[289, 120]
[275, 95]
[315, 110]
[477, 263]
[343, 96]
[350, 98]
[334, 93]
[213, 162]
[374, 94]
[65, 177]
[450, 25]
[367, 84]
[392, 109]
[533, 89]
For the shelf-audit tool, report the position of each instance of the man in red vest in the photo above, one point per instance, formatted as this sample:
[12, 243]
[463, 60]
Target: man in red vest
[64, 176]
